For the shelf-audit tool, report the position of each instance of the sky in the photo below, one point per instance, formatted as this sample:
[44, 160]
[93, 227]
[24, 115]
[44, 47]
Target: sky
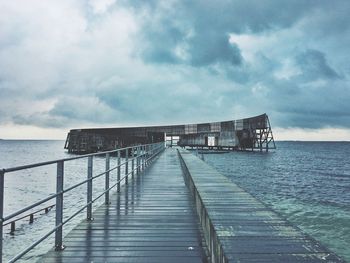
[68, 64]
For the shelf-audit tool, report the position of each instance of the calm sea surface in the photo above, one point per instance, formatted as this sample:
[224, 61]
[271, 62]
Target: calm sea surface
[307, 182]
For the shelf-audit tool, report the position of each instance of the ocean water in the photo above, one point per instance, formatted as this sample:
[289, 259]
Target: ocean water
[25, 187]
[307, 182]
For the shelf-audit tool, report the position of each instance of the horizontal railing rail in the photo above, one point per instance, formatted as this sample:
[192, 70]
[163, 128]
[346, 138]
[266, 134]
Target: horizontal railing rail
[30, 215]
[141, 154]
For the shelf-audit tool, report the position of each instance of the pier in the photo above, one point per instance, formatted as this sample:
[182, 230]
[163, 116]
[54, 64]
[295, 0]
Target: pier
[152, 219]
[254, 134]
[168, 205]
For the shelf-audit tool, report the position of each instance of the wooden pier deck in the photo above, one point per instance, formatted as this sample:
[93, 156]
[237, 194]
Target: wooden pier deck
[152, 220]
[159, 218]
[240, 228]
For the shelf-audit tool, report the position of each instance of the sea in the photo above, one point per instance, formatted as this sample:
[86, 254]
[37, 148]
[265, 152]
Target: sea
[308, 183]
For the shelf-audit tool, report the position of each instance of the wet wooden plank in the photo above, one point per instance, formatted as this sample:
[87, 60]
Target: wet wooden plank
[152, 220]
[239, 228]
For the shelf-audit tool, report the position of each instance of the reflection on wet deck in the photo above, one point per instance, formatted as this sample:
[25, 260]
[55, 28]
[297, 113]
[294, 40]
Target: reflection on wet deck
[151, 220]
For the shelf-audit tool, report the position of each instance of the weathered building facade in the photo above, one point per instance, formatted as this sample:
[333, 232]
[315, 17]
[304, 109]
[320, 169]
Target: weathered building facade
[253, 133]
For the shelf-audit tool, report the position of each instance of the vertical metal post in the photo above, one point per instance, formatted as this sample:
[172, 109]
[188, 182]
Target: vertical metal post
[59, 205]
[126, 165]
[13, 227]
[146, 155]
[118, 173]
[260, 141]
[138, 160]
[31, 218]
[2, 188]
[133, 162]
[89, 189]
[267, 140]
[143, 158]
[107, 179]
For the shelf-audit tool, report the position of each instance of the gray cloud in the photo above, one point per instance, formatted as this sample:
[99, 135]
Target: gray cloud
[201, 28]
[158, 62]
[314, 65]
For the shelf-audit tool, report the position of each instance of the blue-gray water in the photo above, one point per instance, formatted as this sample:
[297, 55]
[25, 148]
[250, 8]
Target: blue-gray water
[22, 188]
[307, 182]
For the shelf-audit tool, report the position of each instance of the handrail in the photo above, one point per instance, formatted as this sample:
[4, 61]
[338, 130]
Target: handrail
[6, 218]
[144, 154]
[28, 166]
[30, 215]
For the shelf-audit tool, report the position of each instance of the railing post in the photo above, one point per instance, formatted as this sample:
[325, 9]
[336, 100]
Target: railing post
[133, 162]
[59, 206]
[126, 165]
[118, 173]
[13, 227]
[89, 189]
[142, 157]
[107, 179]
[2, 188]
[31, 218]
[138, 160]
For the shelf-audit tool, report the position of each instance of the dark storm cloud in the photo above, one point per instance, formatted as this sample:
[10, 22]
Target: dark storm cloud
[163, 104]
[314, 65]
[201, 28]
[310, 105]
[153, 62]
[208, 49]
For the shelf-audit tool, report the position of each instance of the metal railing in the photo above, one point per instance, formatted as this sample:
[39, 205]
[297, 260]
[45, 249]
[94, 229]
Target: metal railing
[141, 154]
[30, 215]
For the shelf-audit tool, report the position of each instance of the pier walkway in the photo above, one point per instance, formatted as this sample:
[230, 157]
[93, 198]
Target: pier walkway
[153, 219]
[180, 209]
[239, 228]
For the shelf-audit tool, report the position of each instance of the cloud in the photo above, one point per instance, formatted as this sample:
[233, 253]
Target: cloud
[110, 63]
[101, 6]
[314, 65]
[200, 29]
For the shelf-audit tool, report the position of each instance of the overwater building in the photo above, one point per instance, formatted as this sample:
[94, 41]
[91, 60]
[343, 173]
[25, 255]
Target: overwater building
[253, 133]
